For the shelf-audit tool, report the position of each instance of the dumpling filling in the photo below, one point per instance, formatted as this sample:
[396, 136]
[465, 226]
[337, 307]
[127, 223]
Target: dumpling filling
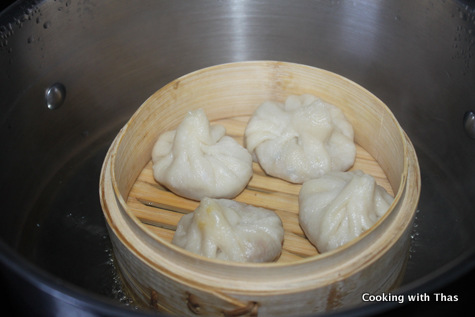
[233, 231]
[339, 206]
[300, 139]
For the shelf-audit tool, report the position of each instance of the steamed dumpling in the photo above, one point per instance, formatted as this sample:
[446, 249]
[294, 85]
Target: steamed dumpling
[229, 230]
[339, 206]
[300, 139]
[197, 160]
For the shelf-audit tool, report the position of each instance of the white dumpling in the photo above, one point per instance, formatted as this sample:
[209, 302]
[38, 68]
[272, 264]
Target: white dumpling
[198, 160]
[300, 139]
[229, 230]
[339, 206]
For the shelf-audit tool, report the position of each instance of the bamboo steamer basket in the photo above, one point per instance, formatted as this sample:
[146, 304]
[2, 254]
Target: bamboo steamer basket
[142, 215]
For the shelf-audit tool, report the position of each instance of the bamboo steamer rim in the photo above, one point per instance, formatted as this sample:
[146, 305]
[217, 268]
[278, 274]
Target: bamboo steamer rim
[204, 266]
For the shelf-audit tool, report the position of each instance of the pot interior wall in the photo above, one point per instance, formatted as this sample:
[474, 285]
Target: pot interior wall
[417, 56]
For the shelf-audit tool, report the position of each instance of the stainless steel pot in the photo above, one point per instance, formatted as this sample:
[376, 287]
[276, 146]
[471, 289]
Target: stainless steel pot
[74, 71]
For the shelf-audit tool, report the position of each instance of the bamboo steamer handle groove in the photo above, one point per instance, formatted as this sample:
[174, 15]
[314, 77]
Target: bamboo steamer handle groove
[201, 306]
[195, 305]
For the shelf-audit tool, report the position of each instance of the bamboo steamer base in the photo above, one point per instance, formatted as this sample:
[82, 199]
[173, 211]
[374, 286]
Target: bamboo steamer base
[160, 210]
[142, 215]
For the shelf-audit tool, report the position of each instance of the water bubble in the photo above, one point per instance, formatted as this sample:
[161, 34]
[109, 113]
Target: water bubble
[24, 17]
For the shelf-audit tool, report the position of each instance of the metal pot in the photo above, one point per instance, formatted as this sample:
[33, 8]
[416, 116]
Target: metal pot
[73, 72]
